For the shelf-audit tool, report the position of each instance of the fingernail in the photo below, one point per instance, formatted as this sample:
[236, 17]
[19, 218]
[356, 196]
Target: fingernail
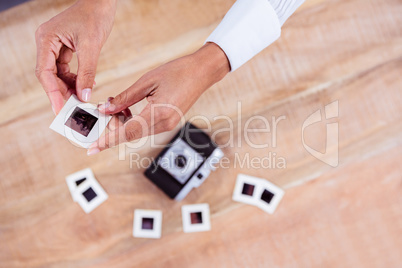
[93, 151]
[104, 106]
[86, 94]
[54, 110]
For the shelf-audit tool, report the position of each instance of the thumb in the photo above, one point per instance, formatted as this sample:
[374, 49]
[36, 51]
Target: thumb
[130, 96]
[87, 61]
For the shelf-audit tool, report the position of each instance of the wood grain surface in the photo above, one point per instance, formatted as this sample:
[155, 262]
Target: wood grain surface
[347, 216]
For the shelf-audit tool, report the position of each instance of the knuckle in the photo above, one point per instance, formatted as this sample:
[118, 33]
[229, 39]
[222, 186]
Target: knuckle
[87, 74]
[121, 98]
[41, 32]
[130, 133]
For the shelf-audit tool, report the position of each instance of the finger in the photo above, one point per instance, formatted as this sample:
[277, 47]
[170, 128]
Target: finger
[64, 89]
[138, 91]
[69, 79]
[117, 120]
[114, 123]
[65, 56]
[127, 113]
[48, 49]
[63, 70]
[135, 128]
[87, 61]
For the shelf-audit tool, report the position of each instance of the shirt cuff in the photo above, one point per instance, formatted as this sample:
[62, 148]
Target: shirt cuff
[248, 27]
[285, 8]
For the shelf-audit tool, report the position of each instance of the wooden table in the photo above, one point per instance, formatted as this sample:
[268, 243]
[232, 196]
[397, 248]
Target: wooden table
[344, 216]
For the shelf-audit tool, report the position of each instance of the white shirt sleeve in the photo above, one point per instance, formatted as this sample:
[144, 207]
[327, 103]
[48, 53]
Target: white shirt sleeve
[250, 26]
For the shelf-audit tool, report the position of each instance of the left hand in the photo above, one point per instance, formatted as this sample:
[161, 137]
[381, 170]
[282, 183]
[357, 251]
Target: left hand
[170, 90]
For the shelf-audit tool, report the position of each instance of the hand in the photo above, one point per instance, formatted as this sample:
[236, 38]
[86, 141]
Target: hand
[83, 28]
[170, 90]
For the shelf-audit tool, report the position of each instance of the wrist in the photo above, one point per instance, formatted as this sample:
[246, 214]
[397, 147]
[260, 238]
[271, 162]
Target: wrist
[212, 63]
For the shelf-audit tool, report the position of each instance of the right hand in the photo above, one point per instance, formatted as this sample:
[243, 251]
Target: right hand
[83, 28]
